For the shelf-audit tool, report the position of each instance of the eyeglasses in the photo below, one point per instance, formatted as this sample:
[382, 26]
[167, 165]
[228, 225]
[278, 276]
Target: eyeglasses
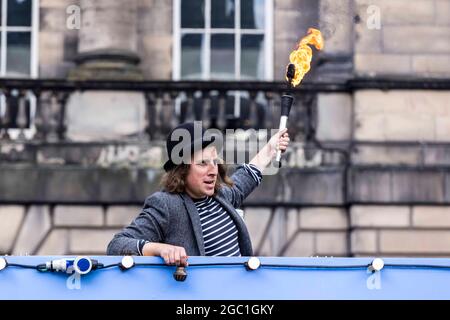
[205, 162]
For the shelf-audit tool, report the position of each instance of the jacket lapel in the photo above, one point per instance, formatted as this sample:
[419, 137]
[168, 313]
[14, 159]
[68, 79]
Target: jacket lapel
[195, 220]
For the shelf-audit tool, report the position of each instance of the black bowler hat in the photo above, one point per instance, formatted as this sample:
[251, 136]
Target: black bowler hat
[187, 135]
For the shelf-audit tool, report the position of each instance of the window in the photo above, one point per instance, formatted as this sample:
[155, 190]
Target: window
[18, 44]
[222, 40]
[19, 27]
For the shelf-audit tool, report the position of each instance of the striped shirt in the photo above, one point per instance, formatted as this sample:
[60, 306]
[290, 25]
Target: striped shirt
[220, 234]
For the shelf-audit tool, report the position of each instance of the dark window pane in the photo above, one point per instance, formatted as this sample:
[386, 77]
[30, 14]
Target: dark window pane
[18, 53]
[222, 56]
[191, 56]
[252, 57]
[192, 13]
[252, 14]
[19, 13]
[222, 13]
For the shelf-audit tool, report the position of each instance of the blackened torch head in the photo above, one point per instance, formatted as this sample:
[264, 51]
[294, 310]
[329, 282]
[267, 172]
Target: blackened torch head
[290, 72]
[286, 103]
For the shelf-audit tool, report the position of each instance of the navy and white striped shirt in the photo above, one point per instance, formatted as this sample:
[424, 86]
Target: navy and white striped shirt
[220, 234]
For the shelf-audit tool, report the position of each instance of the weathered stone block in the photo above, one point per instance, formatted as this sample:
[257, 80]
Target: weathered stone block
[409, 127]
[387, 155]
[108, 24]
[431, 64]
[336, 25]
[155, 20]
[104, 115]
[442, 12]
[73, 185]
[56, 243]
[398, 39]
[447, 187]
[292, 222]
[415, 242]
[369, 127]
[400, 12]
[290, 25]
[269, 190]
[331, 243]
[364, 241]
[35, 227]
[51, 48]
[301, 246]
[11, 217]
[382, 64]
[22, 178]
[395, 116]
[121, 215]
[418, 186]
[55, 3]
[78, 216]
[334, 116]
[315, 186]
[156, 60]
[430, 216]
[323, 218]
[53, 19]
[90, 241]
[436, 155]
[443, 129]
[367, 41]
[77, 184]
[257, 220]
[380, 216]
[370, 185]
[146, 184]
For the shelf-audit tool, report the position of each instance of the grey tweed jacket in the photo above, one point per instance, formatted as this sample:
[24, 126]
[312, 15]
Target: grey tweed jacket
[174, 219]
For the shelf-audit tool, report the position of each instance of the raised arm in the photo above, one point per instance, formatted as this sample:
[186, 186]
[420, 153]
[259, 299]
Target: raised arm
[248, 176]
[279, 141]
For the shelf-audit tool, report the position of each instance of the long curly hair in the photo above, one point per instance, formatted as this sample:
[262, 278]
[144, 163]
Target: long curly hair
[174, 181]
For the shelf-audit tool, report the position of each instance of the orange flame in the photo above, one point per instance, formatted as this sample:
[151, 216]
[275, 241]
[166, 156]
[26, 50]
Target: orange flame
[301, 57]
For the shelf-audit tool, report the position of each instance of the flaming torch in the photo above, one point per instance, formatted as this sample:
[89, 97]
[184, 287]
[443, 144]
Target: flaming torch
[300, 63]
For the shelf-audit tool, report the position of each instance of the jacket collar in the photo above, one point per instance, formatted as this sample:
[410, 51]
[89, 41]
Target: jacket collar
[195, 220]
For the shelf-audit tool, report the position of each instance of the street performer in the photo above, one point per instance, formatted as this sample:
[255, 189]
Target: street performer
[195, 212]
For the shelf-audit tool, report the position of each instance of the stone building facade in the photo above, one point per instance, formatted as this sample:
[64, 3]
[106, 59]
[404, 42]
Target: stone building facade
[391, 197]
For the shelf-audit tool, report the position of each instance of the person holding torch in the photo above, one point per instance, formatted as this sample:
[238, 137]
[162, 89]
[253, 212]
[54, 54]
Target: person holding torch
[195, 212]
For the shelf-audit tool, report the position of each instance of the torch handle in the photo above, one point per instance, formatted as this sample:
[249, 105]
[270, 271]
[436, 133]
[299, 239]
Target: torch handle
[283, 123]
[286, 103]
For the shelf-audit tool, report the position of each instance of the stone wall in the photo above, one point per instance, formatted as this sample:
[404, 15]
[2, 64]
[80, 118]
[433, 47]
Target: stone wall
[155, 39]
[412, 39]
[57, 43]
[374, 230]
[72, 229]
[402, 115]
[400, 230]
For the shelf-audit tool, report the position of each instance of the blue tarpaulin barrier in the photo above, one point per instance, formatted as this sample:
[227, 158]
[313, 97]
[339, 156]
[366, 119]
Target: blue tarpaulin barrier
[229, 279]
